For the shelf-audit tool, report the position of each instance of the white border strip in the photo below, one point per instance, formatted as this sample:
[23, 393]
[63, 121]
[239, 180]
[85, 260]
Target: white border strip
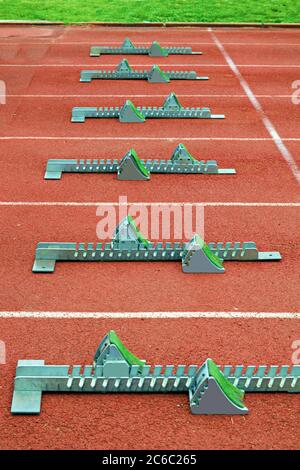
[285, 153]
[116, 204]
[115, 315]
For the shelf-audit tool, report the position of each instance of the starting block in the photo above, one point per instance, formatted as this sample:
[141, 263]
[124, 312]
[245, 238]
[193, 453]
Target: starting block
[129, 245]
[155, 50]
[211, 389]
[132, 168]
[171, 109]
[124, 71]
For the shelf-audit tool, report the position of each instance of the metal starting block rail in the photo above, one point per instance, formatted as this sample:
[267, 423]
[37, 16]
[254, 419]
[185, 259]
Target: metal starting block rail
[128, 244]
[128, 48]
[124, 71]
[132, 168]
[211, 389]
[171, 109]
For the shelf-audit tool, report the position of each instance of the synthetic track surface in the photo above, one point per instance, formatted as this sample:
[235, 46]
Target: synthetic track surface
[41, 67]
[85, 421]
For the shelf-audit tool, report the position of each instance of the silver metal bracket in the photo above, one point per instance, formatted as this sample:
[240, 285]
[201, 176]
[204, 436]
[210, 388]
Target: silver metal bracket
[140, 249]
[212, 389]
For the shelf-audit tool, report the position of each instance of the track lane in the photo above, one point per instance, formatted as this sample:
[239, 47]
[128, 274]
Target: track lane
[259, 161]
[93, 421]
[105, 286]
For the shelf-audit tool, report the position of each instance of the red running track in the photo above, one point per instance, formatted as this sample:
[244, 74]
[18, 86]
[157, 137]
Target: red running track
[41, 67]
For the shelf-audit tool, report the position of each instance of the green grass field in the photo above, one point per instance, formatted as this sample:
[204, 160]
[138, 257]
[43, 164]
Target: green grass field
[69, 11]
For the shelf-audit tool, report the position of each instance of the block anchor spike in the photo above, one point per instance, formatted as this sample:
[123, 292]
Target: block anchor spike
[212, 389]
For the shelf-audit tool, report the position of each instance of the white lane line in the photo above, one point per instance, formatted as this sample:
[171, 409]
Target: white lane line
[285, 153]
[139, 203]
[158, 139]
[231, 315]
[93, 64]
[80, 95]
